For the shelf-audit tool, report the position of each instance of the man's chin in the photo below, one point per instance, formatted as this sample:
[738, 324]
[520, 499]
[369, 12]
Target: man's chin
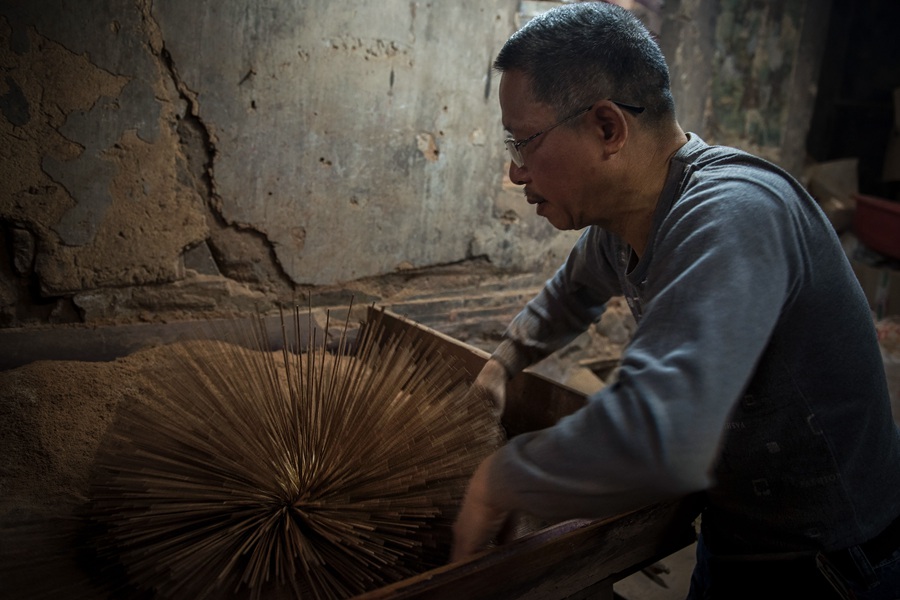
[543, 210]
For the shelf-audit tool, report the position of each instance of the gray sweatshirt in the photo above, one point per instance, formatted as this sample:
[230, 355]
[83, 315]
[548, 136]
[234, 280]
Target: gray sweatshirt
[754, 372]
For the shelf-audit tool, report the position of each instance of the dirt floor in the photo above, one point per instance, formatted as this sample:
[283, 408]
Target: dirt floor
[53, 415]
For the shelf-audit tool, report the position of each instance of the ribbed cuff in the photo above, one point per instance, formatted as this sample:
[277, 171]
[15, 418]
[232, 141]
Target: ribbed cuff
[512, 356]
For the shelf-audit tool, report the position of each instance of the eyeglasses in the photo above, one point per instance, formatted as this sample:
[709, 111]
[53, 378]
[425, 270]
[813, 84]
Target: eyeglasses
[515, 147]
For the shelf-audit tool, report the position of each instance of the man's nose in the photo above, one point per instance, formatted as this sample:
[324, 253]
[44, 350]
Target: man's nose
[518, 175]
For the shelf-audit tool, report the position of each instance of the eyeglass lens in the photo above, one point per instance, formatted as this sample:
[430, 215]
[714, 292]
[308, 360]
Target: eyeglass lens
[514, 153]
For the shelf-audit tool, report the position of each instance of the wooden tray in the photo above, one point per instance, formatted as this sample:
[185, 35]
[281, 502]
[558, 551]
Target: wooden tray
[573, 559]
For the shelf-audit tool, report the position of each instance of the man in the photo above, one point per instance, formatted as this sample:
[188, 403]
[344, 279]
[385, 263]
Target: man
[754, 374]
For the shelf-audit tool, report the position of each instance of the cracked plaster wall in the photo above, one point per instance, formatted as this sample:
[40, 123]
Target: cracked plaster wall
[355, 139]
[162, 152]
[91, 176]
[165, 156]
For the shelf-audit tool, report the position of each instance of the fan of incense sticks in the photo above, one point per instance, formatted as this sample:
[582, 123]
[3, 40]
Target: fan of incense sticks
[320, 473]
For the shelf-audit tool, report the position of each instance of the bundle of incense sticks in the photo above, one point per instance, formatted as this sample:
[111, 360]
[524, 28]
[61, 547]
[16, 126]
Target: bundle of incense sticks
[304, 473]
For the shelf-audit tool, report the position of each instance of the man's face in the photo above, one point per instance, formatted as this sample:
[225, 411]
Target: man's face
[557, 172]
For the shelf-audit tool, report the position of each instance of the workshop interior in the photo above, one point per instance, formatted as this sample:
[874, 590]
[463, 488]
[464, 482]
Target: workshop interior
[254, 249]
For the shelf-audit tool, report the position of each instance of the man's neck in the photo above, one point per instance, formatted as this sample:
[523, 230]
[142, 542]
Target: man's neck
[646, 174]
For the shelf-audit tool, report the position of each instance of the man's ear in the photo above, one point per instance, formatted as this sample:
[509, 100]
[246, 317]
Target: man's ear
[610, 125]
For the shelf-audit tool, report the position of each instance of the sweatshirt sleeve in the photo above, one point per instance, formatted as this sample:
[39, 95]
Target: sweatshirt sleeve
[715, 287]
[570, 301]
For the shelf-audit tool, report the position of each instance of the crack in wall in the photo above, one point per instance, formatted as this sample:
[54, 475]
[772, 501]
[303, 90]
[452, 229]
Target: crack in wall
[200, 145]
[158, 47]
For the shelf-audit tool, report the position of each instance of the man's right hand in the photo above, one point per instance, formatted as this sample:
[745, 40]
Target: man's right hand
[491, 383]
[479, 520]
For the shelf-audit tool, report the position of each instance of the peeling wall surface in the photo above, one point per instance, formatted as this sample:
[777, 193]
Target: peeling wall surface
[89, 175]
[164, 156]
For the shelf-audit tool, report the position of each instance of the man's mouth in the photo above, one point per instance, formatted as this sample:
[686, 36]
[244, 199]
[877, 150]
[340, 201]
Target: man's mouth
[534, 198]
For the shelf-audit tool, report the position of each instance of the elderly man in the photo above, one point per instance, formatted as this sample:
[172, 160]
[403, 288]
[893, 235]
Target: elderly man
[754, 374]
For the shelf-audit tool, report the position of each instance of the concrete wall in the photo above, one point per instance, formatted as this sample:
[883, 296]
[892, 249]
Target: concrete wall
[173, 158]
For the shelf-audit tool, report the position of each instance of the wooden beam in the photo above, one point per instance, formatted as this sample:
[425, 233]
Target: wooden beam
[559, 561]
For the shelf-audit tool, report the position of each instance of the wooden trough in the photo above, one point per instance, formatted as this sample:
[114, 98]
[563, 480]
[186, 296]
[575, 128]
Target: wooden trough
[576, 559]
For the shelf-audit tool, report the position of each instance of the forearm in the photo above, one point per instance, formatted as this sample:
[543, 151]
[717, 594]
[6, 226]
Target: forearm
[573, 299]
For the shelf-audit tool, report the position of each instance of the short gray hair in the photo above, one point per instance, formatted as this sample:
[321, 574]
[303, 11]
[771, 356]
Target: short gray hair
[576, 54]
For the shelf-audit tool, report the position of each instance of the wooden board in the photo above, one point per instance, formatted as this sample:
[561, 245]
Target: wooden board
[533, 402]
[559, 561]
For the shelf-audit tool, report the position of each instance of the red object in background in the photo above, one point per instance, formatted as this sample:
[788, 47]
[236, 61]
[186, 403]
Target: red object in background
[876, 222]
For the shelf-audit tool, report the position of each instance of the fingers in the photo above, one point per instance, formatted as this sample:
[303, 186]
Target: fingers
[491, 382]
[478, 521]
[490, 399]
[475, 529]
